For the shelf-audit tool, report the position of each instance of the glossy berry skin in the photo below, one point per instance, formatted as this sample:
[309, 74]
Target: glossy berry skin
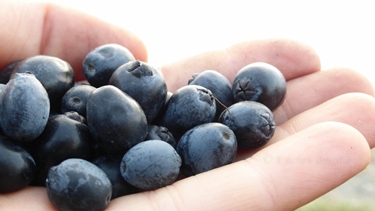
[17, 166]
[206, 147]
[150, 165]
[252, 123]
[75, 99]
[218, 84]
[260, 82]
[56, 75]
[189, 106]
[144, 83]
[111, 168]
[77, 184]
[24, 108]
[115, 120]
[62, 138]
[156, 132]
[100, 63]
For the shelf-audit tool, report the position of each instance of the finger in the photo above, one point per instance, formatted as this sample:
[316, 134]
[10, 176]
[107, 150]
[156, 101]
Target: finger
[32, 28]
[29, 198]
[294, 59]
[284, 176]
[354, 109]
[311, 90]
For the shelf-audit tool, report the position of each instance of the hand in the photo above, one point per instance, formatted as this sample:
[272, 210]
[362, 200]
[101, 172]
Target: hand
[325, 127]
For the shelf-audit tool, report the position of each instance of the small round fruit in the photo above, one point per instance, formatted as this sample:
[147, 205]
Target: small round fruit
[252, 123]
[75, 99]
[189, 106]
[115, 120]
[260, 82]
[56, 75]
[156, 132]
[76, 184]
[218, 84]
[206, 147]
[144, 83]
[24, 108]
[100, 63]
[62, 138]
[111, 168]
[6, 72]
[17, 167]
[150, 165]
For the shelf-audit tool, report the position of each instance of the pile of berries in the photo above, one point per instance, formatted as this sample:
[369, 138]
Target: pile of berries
[122, 131]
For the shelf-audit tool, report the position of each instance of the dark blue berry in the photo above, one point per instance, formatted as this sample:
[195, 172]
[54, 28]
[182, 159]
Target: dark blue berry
[252, 123]
[75, 99]
[218, 84]
[156, 132]
[188, 107]
[100, 63]
[144, 83]
[111, 168]
[24, 108]
[260, 82]
[17, 167]
[6, 72]
[115, 119]
[62, 138]
[150, 165]
[206, 147]
[76, 184]
[56, 75]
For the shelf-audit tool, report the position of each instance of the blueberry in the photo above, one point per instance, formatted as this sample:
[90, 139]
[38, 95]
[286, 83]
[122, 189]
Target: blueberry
[150, 165]
[252, 123]
[75, 116]
[161, 113]
[218, 84]
[111, 168]
[75, 99]
[260, 82]
[188, 107]
[17, 166]
[144, 83]
[100, 63]
[6, 73]
[115, 119]
[56, 75]
[77, 184]
[24, 108]
[62, 138]
[206, 147]
[156, 132]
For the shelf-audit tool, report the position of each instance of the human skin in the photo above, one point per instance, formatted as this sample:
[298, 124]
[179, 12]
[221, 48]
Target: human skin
[325, 127]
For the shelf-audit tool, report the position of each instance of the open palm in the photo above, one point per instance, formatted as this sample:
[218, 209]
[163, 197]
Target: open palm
[325, 127]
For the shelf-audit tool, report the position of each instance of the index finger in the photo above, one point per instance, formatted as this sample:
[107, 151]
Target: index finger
[294, 59]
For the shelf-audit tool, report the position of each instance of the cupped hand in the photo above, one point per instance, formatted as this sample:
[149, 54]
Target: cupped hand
[325, 127]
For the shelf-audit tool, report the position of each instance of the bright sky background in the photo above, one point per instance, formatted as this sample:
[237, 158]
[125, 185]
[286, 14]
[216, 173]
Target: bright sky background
[342, 32]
